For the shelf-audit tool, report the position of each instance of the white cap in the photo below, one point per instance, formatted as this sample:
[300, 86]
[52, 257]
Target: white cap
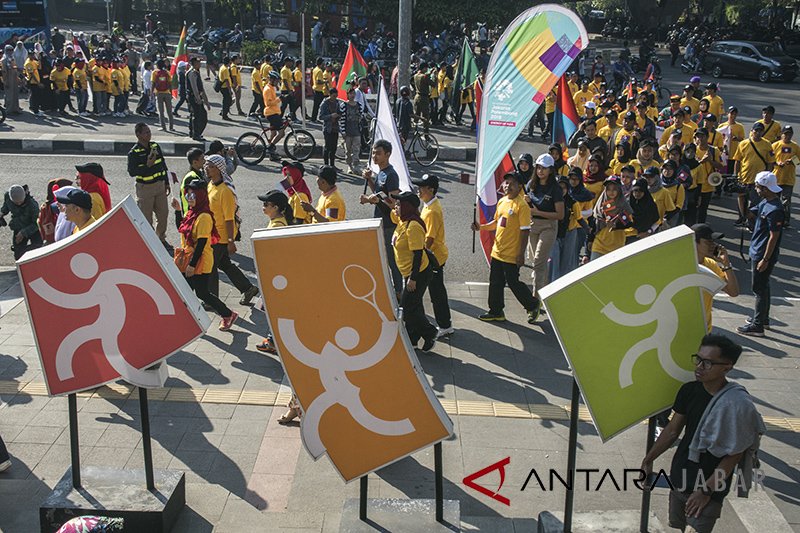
[545, 160]
[590, 105]
[768, 180]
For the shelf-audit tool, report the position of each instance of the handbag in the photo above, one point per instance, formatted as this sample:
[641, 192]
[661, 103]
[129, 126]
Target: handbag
[182, 256]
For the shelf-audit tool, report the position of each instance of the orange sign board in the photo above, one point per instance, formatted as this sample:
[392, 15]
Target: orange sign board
[365, 399]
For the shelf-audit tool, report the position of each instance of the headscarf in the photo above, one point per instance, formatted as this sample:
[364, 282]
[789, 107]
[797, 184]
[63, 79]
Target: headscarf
[657, 186]
[91, 183]
[669, 182]
[201, 206]
[645, 210]
[409, 212]
[691, 163]
[8, 56]
[606, 211]
[528, 158]
[20, 54]
[645, 163]
[588, 177]
[53, 185]
[298, 183]
[559, 161]
[578, 160]
[580, 193]
[219, 162]
[626, 155]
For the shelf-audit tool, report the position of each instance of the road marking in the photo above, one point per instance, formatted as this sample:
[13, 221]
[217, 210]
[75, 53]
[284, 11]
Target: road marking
[541, 411]
[477, 283]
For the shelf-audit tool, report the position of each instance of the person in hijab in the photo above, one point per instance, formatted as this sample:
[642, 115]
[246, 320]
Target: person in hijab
[297, 189]
[20, 55]
[622, 157]
[612, 215]
[11, 80]
[49, 211]
[91, 179]
[627, 178]
[660, 196]
[581, 157]
[557, 153]
[199, 234]
[415, 266]
[672, 184]
[578, 229]
[644, 210]
[689, 164]
[525, 167]
[559, 252]
[595, 174]
[645, 156]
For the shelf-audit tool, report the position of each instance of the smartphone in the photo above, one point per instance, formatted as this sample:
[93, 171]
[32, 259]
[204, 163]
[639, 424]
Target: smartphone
[716, 250]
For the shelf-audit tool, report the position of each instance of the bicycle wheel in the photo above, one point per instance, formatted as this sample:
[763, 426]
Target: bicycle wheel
[663, 94]
[299, 145]
[251, 148]
[425, 149]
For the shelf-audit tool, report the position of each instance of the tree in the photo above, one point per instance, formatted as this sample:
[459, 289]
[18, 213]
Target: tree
[239, 8]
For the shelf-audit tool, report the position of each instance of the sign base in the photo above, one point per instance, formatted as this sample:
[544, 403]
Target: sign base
[596, 521]
[400, 515]
[118, 493]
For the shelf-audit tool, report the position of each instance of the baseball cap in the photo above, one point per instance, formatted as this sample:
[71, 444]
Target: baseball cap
[701, 131]
[77, 197]
[427, 180]
[674, 98]
[712, 86]
[516, 176]
[407, 196]
[710, 116]
[590, 105]
[215, 147]
[767, 179]
[651, 171]
[328, 173]
[733, 109]
[16, 193]
[768, 108]
[272, 196]
[196, 184]
[95, 169]
[630, 115]
[688, 88]
[758, 126]
[787, 129]
[545, 160]
[687, 110]
[704, 231]
[694, 79]
[641, 104]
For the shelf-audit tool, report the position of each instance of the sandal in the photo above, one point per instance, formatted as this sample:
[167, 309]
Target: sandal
[266, 347]
[290, 415]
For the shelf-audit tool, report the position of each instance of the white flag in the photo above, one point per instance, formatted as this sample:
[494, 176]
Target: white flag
[385, 128]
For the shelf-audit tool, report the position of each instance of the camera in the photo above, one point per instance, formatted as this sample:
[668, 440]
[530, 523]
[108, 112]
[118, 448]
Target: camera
[733, 185]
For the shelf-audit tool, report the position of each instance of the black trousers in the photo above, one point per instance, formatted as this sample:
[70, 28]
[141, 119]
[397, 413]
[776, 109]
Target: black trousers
[319, 96]
[702, 211]
[417, 324]
[199, 284]
[62, 99]
[438, 292]
[500, 275]
[331, 144]
[690, 214]
[198, 118]
[287, 100]
[762, 292]
[227, 100]
[29, 243]
[222, 261]
[35, 100]
[258, 104]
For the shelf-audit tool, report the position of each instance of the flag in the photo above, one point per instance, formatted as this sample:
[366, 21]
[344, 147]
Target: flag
[353, 64]
[465, 75]
[180, 55]
[386, 129]
[286, 185]
[487, 199]
[631, 94]
[527, 62]
[565, 117]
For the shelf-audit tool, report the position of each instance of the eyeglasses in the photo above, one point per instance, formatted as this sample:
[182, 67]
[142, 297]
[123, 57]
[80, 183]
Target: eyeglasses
[189, 195]
[707, 364]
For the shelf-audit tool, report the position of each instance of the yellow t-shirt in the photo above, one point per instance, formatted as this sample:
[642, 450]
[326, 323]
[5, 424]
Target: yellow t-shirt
[59, 79]
[126, 76]
[266, 68]
[318, 79]
[512, 217]
[607, 240]
[692, 102]
[595, 88]
[117, 82]
[286, 79]
[606, 131]
[737, 130]
[550, 102]
[224, 76]
[687, 133]
[580, 98]
[78, 228]
[750, 163]
[108, 80]
[663, 201]
[277, 222]
[466, 95]
[98, 207]
[573, 87]
[299, 213]
[223, 206]
[595, 189]
[715, 139]
[772, 131]
[784, 152]
[236, 75]
[332, 206]
[716, 106]
[705, 169]
[79, 81]
[272, 103]
[678, 195]
[202, 230]
[408, 238]
[31, 68]
[708, 298]
[297, 78]
[574, 216]
[255, 81]
[99, 78]
[326, 76]
[433, 217]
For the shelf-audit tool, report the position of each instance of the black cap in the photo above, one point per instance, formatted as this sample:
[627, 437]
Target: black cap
[651, 171]
[787, 129]
[688, 88]
[630, 115]
[95, 169]
[427, 180]
[701, 131]
[516, 176]
[641, 104]
[733, 109]
[215, 147]
[768, 108]
[704, 231]
[710, 116]
[273, 196]
[196, 184]
[687, 110]
[647, 142]
[408, 196]
[758, 126]
[712, 86]
[575, 171]
[328, 173]
[77, 197]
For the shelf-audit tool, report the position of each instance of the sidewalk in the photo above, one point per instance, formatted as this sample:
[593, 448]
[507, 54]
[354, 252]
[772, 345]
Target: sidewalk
[506, 388]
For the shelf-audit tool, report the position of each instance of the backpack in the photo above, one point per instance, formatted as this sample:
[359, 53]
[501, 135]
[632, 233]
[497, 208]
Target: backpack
[161, 83]
[217, 85]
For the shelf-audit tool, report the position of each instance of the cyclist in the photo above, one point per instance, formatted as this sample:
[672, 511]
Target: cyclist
[272, 112]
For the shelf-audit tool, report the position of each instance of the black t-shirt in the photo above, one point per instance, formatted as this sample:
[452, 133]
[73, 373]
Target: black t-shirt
[386, 181]
[691, 401]
[545, 197]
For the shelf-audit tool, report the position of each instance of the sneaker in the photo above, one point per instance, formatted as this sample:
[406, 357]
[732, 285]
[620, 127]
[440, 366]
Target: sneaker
[491, 317]
[248, 295]
[749, 321]
[428, 345]
[751, 330]
[445, 332]
[226, 323]
[266, 346]
[537, 308]
[252, 118]
[532, 316]
[5, 465]
[39, 114]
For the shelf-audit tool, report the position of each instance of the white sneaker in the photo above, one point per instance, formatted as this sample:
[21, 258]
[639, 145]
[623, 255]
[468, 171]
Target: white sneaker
[350, 170]
[40, 114]
[5, 465]
[445, 332]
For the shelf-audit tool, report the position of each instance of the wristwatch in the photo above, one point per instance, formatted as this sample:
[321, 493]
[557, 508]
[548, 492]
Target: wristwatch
[706, 491]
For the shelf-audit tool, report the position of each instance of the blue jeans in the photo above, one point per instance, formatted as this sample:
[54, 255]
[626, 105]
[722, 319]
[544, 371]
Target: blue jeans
[573, 242]
[554, 268]
[83, 99]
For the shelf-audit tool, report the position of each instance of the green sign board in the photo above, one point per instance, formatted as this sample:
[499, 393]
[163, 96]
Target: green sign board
[628, 324]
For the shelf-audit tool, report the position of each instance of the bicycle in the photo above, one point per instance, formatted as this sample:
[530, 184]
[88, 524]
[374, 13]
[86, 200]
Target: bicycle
[422, 146]
[252, 148]
[367, 134]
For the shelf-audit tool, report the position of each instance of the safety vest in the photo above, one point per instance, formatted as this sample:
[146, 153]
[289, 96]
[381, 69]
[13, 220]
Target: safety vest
[158, 163]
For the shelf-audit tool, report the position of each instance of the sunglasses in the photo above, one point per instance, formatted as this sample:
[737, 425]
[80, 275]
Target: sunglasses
[190, 195]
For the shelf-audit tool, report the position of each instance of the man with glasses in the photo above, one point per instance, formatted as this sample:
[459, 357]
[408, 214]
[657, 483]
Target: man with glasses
[710, 449]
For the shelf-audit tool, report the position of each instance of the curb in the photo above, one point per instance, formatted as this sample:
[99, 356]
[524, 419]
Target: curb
[170, 148]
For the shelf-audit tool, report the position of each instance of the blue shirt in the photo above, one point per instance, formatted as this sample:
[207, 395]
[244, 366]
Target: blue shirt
[386, 181]
[770, 217]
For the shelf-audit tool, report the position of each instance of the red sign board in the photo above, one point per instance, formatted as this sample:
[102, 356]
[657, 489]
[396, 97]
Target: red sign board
[107, 304]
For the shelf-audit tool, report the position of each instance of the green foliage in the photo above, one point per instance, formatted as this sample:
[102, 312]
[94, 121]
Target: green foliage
[256, 50]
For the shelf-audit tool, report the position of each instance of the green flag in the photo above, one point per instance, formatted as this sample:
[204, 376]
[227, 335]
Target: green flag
[466, 74]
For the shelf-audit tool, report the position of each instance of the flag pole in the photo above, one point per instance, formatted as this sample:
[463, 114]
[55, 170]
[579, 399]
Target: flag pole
[372, 140]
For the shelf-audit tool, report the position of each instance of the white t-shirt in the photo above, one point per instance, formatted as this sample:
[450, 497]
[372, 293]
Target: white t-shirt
[147, 79]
